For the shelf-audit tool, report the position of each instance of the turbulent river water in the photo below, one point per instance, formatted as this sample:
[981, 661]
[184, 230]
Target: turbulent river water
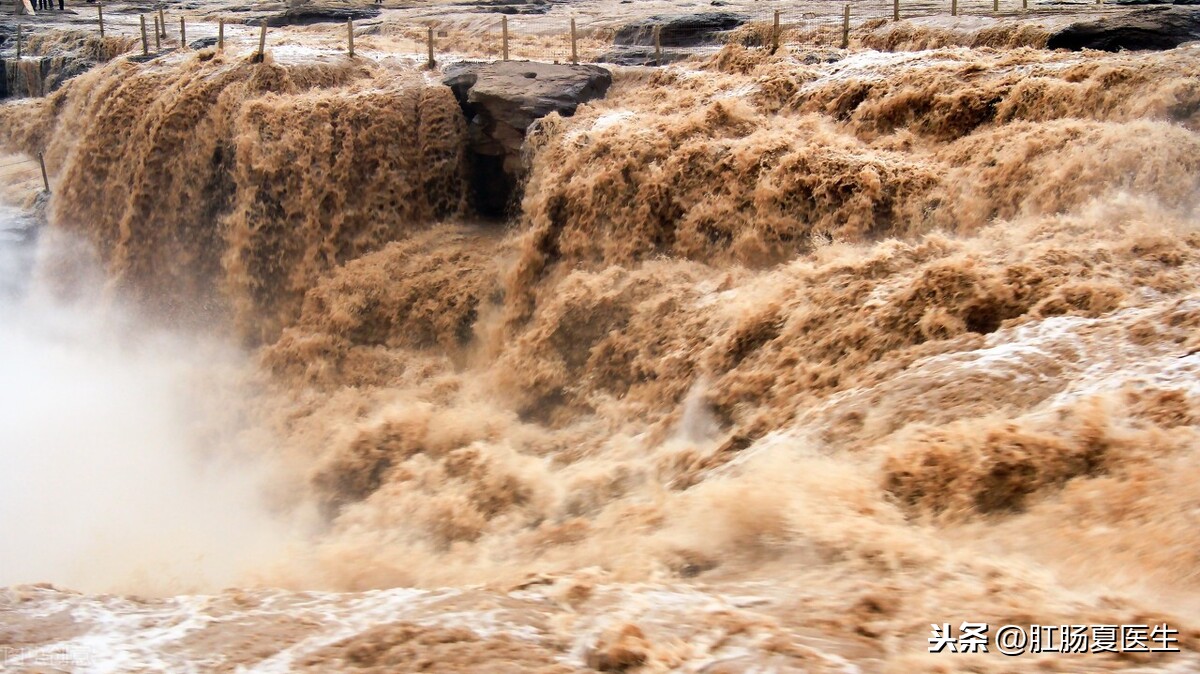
[779, 363]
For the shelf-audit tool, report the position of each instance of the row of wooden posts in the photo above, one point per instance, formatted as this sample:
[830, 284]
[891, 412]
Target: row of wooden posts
[160, 31]
[776, 32]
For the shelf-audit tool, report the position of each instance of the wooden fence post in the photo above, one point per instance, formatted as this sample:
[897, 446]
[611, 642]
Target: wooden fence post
[157, 36]
[846, 27]
[350, 36]
[895, 10]
[221, 34]
[953, 7]
[574, 48]
[145, 43]
[18, 40]
[100, 13]
[658, 45]
[432, 64]
[182, 33]
[45, 180]
[995, 6]
[504, 36]
[775, 34]
[262, 42]
[162, 23]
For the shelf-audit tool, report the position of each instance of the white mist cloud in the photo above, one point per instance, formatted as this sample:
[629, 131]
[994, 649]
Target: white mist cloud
[115, 474]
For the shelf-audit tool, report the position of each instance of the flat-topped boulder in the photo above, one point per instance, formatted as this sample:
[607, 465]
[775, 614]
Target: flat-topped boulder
[680, 30]
[511, 6]
[500, 100]
[1151, 28]
[1152, 2]
[634, 55]
[504, 97]
[306, 15]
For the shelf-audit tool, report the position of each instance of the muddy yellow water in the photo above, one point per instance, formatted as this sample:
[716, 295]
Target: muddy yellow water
[780, 362]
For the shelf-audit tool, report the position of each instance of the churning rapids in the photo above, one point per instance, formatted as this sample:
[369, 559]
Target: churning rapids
[778, 364]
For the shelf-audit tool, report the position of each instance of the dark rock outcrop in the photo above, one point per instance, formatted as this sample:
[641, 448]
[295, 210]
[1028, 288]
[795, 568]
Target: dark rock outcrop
[48, 64]
[306, 15]
[25, 77]
[511, 6]
[203, 43]
[139, 57]
[688, 30]
[500, 101]
[641, 56]
[1153, 28]
[38, 75]
[1152, 2]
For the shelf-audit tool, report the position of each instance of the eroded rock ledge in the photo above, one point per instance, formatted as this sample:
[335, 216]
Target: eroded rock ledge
[501, 100]
[1153, 28]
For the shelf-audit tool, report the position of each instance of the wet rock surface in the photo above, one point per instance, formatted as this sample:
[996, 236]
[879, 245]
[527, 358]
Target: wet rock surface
[688, 30]
[306, 15]
[510, 7]
[501, 100]
[642, 56]
[39, 75]
[1155, 28]
[1154, 2]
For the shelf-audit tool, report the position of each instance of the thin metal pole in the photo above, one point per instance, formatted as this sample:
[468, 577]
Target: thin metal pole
[504, 36]
[45, 180]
